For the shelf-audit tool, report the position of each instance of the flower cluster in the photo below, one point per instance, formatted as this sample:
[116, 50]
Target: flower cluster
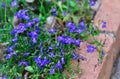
[73, 28]
[68, 40]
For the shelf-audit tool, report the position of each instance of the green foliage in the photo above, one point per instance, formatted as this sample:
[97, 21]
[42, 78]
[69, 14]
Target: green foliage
[75, 13]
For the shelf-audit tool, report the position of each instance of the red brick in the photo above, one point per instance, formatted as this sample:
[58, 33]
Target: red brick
[109, 12]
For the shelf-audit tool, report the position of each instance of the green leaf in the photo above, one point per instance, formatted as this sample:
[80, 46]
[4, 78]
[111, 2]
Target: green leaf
[29, 68]
[72, 3]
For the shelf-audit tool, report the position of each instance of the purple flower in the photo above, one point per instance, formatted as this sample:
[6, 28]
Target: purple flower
[25, 63]
[68, 40]
[41, 49]
[65, 39]
[13, 3]
[41, 63]
[53, 10]
[37, 29]
[52, 54]
[103, 53]
[4, 77]
[29, 24]
[79, 30]
[90, 48]
[52, 71]
[26, 54]
[60, 38]
[36, 20]
[10, 49]
[92, 2]
[82, 25]
[49, 49]
[33, 36]
[8, 56]
[21, 28]
[3, 5]
[14, 53]
[75, 56]
[34, 40]
[22, 14]
[81, 58]
[62, 52]
[58, 65]
[17, 78]
[64, 13]
[14, 40]
[62, 60]
[71, 26]
[77, 42]
[51, 31]
[14, 31]
[104, 24]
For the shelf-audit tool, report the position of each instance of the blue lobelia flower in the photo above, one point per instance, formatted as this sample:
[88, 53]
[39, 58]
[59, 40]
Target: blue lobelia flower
[22, 14]
[65, 39]
[36, 20]
[19, 29]
[26, 54]
[104, 24]
[92, 2]
[30, 24]
[25, 63]
[14, 3]
[4, 77]
[8, 56]
[15, 39]
[60, 38]
[17, 78]
[52, 71]
[10, 49]
[41, 63]
[49, 49]
[71, 26]
[64, 13]
[34, 36]
[81, 58]
[90, 48]
[79, 30]
[52, 31]
[62, 60]
[82, 26]
[58, 65]
[75, 56]
[51, 55]
[3, 5]
[14, 32]
[68, 40]
[14, 53]
[53, 10]
[37, 29]
[77, 42]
